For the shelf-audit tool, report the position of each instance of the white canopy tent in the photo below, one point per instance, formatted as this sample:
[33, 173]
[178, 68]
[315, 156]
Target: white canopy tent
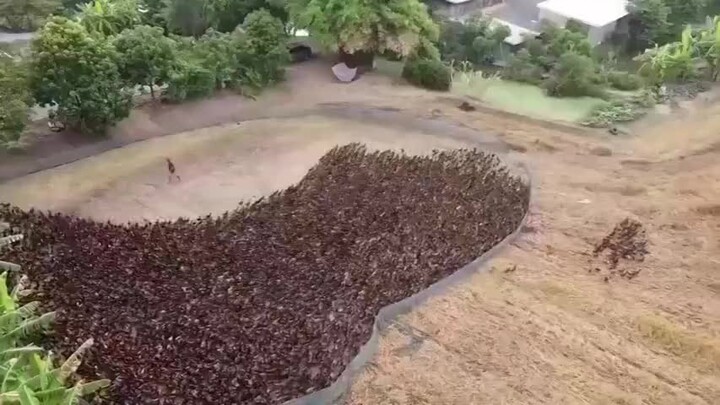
[601, 16]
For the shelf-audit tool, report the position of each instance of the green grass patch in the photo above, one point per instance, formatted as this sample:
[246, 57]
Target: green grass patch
[525, 99]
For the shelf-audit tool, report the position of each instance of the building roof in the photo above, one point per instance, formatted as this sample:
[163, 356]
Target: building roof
[518, 34]
[596, 13]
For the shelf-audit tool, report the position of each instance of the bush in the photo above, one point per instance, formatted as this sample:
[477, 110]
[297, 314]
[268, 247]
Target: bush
[521, 68]
[574, 76]
[624, 81]
[188, 81]
[610, 113]
[428, 73]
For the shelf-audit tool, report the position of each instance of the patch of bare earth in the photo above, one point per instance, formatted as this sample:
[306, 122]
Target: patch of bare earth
[542, 326]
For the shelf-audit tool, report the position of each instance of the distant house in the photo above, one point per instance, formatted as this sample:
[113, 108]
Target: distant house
[525, 17]
[600, 16]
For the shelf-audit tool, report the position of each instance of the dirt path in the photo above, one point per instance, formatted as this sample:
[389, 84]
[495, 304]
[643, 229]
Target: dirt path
[545, 327]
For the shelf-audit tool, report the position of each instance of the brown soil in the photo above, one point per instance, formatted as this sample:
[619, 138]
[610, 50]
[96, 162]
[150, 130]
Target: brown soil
[551, 331]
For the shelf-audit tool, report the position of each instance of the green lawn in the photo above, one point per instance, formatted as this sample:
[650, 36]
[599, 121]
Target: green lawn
[524, 99]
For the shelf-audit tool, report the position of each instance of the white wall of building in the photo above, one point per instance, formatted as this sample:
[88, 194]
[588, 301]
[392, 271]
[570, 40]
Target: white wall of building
[596, 35]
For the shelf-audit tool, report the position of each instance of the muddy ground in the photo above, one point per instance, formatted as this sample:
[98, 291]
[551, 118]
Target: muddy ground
[544, 326]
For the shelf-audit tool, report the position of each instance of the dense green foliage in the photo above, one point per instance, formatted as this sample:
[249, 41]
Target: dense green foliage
[560, 60]
[146, 56]
[27, 372]
[624, 80]
[373, 26]
[24, 15]
[190, 80]
[194, 17]
[189, 17]
[477, 41]
[109, 17]
[431, 74]
[248, 59]
[79, 73]
[574, 75]
[15, 101]
[671, 62]
[657, 22]
[231, 13]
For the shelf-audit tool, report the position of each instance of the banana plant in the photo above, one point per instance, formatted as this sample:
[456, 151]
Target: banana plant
[671, 61]
[28, 375]
[709, 45]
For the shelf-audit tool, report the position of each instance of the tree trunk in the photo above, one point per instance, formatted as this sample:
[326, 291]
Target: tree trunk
[152, 90]
[362, 60]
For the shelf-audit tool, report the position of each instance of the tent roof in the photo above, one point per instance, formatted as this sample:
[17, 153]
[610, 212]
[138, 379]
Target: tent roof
[596, 13]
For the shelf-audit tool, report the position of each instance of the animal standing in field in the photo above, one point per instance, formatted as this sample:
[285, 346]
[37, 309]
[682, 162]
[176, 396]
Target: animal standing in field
[172, 172]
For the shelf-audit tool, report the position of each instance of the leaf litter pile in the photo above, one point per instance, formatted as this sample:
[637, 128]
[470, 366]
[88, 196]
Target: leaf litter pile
[627, 241]
[270, 301]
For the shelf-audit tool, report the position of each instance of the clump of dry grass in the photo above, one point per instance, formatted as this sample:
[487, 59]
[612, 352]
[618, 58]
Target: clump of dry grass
[699, 349]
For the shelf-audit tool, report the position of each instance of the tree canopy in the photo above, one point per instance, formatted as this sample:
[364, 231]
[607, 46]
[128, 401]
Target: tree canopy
[656, 22]
[25, 14]
[78, 72]
[109, 17]
[146, 57]
[376, 26]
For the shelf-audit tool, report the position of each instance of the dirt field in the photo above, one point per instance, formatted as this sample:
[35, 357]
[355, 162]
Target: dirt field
[544, 326]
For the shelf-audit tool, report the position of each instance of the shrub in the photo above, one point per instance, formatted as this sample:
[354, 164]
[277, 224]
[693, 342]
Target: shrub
[624, 81]
[188, 81]
[610, 113]
[428, 73]
[573, 76]
[522, 69]
[476, 40]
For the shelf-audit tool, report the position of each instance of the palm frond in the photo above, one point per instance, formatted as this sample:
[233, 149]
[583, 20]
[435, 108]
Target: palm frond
[7, 266]
[6, 240]
[92, 387]
[30, 327]
[70, 366]
[20, 351]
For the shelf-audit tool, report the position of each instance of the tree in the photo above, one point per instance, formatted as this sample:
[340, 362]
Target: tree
[231, 13]
[25, 14]
[657, 22]
[147, 56]
[372, 26]
[109, 17]
[78, 72]
[15, 100]
[476, 40]
[190, 17]
[264, 46]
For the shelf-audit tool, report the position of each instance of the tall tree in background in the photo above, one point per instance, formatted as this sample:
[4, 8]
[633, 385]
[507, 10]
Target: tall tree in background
[371, 26]
[24, 15]
[657, 22]
[190, 17]
[15, 100]
[147, 56]
[78, 72]
[231, 13]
